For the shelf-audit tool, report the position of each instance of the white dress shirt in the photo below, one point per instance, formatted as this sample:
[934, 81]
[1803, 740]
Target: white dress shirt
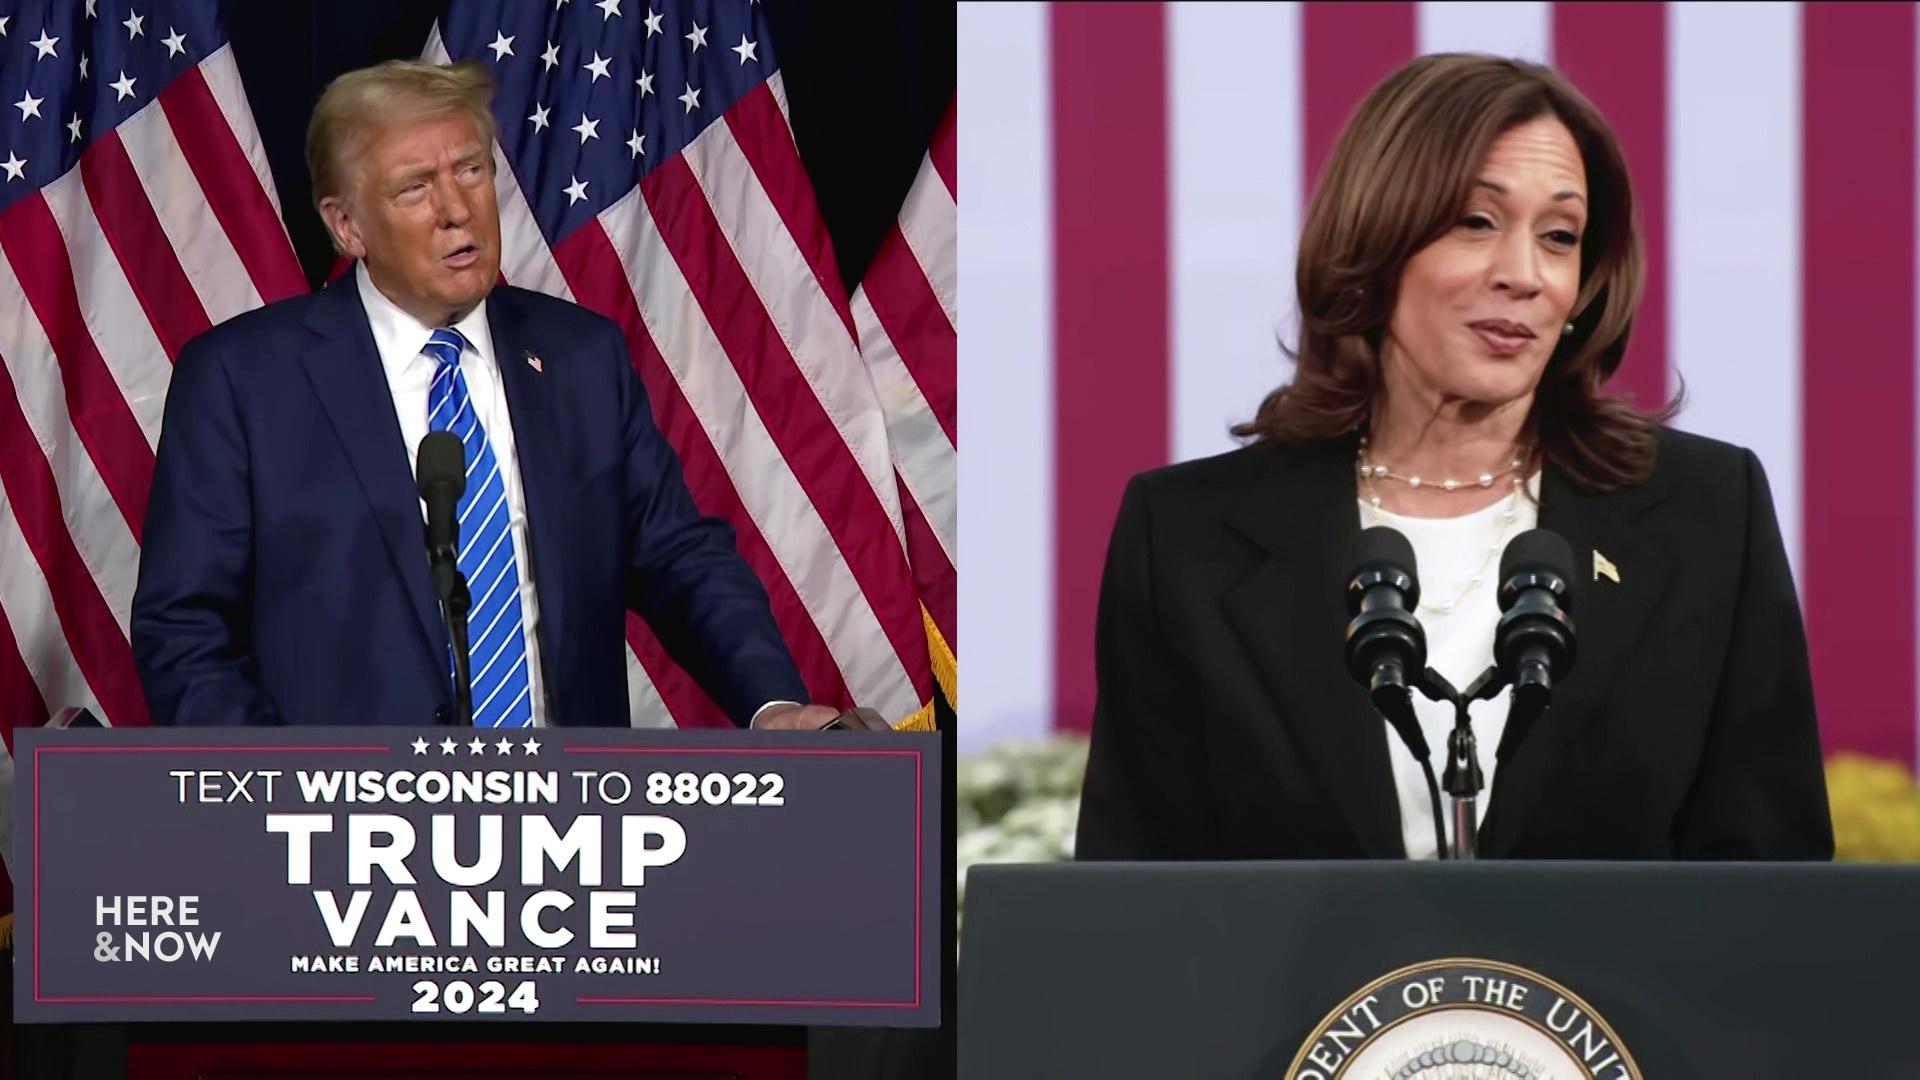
[1449, 553]
[400, 338]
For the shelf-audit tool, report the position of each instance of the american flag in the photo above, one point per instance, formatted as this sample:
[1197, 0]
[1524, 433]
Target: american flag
[1137, 179]
[647, 170]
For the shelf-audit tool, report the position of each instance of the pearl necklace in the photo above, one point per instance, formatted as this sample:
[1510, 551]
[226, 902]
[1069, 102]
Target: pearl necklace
[1509, 513]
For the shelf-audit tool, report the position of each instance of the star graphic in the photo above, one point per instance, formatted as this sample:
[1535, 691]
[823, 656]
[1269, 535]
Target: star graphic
[83, 65]
[4, 19]
[551, 56]
[539, 117]
[502, 45]
[28, 105]
[608, 9]
[505, 745]
[645, 83]
[746, 49]
[175, 41]
[73, 128]
[133, 25]
[13, 165]
[477, 746]
[448, 746]
[587, 129]
[419, 746]
[44, 46]
[92, 14]
[653, 23]
[533, 747]
[123, 87]
[598, 67]
[576, 190]
[698, 36]
[691, 99]
[637, 144]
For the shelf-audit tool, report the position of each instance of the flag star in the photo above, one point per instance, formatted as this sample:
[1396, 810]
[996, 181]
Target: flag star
[13, 165]
[133, 24]
[448, 746]
[505, 745]
[698, 36]
[576, 190]
[587, 129]
[123, 87]
[608, 9]
[73, 128]
[558, 4]
[44, 45]
[92, 14]
[746, 49]
[3, 24]
[176, 42]
[477, 746]
[83, 65]
[637, 144]
[691, 99]
[28, 105]
[539, 117]
[598, 67]
[419, 746]
[652, 20]
[551, 56]
[645, 83]
[502, 46]
[533, 746]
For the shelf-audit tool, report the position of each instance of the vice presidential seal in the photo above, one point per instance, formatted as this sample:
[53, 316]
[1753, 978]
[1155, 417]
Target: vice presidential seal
[1459, 1018]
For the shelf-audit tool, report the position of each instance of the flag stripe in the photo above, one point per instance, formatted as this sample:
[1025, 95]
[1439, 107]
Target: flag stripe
[1006, 268]
[1348, 49]
[905, 307]
[20, 700]
[1110, 303]
[1617, 54]
[1734, 259]
[1859, 227]
[133, 232]
[922, 455]
[97, 642]
[108, 308]
[760, 130]
[929, 223]
[229, 94]
[30, 238]
[1500, 27]
[601, 273]
[943, 151]
[206, 255]
[933, 576]
[795, 419]
[687, 702]
[241, 205]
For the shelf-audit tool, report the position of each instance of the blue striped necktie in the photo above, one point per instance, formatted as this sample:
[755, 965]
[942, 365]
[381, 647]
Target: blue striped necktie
[496, 644]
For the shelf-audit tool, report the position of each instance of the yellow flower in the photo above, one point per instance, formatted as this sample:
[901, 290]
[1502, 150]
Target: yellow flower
[1876, 809]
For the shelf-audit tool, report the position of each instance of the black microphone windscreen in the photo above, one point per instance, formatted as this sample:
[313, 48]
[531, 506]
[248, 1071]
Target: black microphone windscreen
[441, 460]
[1382, 547]
[1536, 550]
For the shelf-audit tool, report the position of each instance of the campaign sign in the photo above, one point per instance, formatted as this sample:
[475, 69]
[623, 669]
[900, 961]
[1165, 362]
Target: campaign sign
[385, 873]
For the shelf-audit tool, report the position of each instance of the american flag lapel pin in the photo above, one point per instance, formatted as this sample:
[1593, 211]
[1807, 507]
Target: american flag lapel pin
[534, 363]
[1603, 568]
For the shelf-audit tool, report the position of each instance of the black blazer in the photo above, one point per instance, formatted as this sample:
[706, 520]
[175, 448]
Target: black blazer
[1227, 726]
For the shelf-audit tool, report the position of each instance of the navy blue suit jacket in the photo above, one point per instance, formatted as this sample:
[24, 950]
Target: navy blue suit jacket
[283, 570]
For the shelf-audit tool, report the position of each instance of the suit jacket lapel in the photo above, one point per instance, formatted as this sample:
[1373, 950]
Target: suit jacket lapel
[344, 368]
[531, 407]
[1609, 618]
[1289, 613]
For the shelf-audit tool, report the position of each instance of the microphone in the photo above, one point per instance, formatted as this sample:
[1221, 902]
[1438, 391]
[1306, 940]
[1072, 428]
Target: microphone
[1533, 646]
[440, 470]
[1386, 646]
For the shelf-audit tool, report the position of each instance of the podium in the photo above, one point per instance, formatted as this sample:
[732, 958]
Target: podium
[1309, 970]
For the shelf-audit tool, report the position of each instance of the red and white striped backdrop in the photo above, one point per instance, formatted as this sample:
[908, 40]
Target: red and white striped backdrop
[1137, 178]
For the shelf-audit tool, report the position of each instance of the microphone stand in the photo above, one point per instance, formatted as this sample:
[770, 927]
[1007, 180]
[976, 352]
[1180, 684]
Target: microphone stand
[455, 601]
[1463, 779]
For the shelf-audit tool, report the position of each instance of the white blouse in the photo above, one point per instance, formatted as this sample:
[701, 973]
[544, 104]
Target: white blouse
[1450, 553]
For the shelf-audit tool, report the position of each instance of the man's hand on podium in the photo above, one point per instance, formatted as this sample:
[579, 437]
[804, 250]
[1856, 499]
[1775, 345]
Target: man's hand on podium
[785, 717]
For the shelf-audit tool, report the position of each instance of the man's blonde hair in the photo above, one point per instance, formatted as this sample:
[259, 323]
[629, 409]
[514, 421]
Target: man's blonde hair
[360, 103]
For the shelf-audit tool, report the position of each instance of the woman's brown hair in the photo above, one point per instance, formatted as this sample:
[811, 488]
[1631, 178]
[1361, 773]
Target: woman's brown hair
[1396, 182]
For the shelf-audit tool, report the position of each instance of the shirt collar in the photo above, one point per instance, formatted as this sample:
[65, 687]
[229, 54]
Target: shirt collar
[400, 337]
